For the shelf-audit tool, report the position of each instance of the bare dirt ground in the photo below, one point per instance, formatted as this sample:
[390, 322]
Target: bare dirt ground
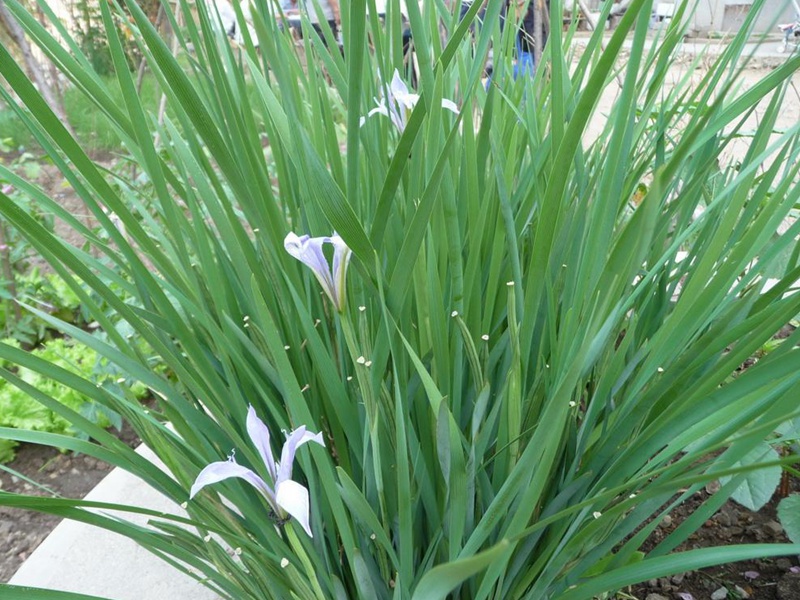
[61, 474]
[765, 579]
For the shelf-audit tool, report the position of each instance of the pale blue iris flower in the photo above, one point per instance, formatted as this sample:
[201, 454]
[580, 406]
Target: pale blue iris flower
[308, 251]
[400, 103]
[287, 498]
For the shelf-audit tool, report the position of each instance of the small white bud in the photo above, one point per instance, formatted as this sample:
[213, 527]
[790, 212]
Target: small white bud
[246, 318]
[368, 363]
[284, 562]
[349, 378]
[454, 313]
[256, 230]
[184, 505]
[597, 514]
[660, 369]
[632, 496]
[286, 347]
[573, 404]
[121, 380]
[238, 552]
[305, 388]
[207, 538]
[361, 360]
[372, 536]
[510, 284]
[362, 308]
[485, 337]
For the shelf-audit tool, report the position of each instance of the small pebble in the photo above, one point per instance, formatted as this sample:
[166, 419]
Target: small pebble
[719, 594]
[678, 579]
[656, 597]
[784, 564]
[773, 527]
[666, 521]
[741, 592]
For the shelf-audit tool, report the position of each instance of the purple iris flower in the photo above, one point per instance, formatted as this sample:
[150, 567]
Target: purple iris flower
[308, 251]
[400, 103]
[287, 498]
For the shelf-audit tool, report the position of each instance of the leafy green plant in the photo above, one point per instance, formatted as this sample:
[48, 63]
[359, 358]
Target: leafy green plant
[49, 293]
[19, 409]
[515, 374]
[758, 487]
[789, 514]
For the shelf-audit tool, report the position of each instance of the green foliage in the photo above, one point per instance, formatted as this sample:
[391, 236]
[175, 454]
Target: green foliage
[758, 486]
[91, 127]
[93, 41]
[525, 377]
[7, 453]
[789, 514]
[49, 293]
[20, 410]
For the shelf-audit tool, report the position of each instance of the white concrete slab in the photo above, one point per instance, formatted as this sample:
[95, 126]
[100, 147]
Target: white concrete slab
[80, 558]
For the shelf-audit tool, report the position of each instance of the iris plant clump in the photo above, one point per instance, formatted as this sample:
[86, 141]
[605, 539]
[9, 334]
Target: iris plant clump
[528, 364]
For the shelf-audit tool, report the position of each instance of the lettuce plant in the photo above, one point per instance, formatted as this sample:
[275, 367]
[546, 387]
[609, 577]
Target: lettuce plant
[526, 362]
[19, 408]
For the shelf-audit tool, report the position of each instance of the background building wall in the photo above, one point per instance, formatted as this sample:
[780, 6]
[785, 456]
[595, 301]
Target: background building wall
[727, 16]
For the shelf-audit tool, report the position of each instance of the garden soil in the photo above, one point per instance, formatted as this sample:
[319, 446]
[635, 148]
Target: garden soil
[772, 579]
[43, 471]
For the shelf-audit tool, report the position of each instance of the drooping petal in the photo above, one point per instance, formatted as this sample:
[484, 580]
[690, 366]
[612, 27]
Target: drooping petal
[259, 434]
[398, 88]
[341, 258]
[219, 471]
[296, 438]
[449, 105]
[308, 251]
[381, 109]
[292, 498]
